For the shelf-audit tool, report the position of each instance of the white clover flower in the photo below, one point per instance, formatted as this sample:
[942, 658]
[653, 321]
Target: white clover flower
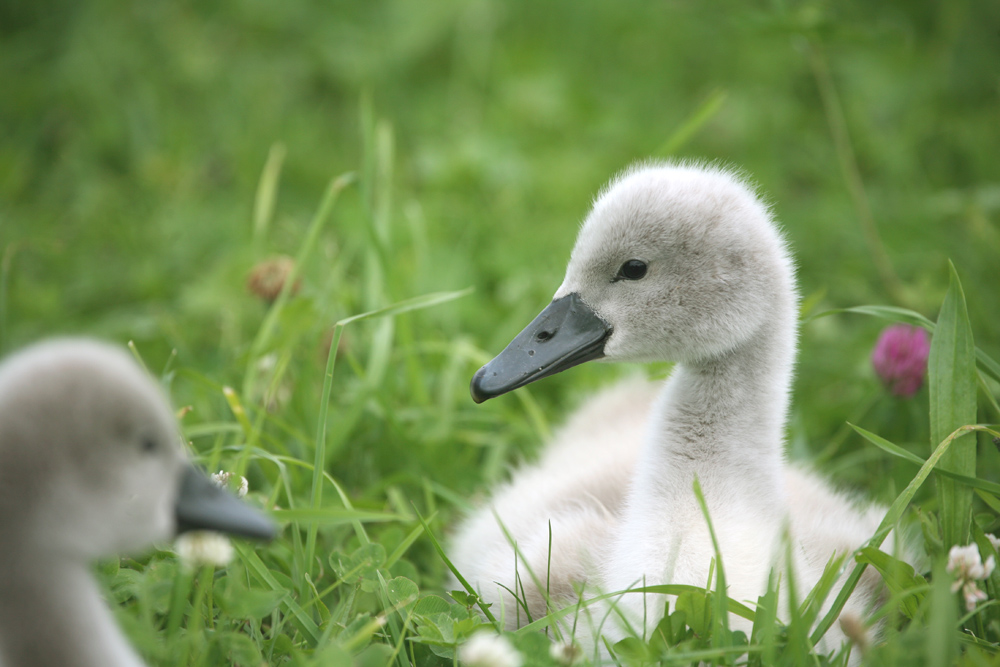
[486, 649]
[994, 540]
[227, 480]
[967, 566]
[203, 547]
[565, 653]
[973, 595]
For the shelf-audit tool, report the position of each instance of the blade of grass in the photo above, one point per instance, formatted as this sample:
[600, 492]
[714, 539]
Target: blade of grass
[988, 365]
[454, 570]
[896, 450]
[319, 462]
[941, 638]
[891, 313]
[720, 597]
[301, 619]
[267, 190]
[991, 500]
[452, 497]
[899, 577]
[194, 637]
[403, 546]
[693, 123]
[834, 112]
[951, 371]
[892, 515]
[363, 634]
[764, 628]
[332, 516]
[520, 561]
[732, 606]
[359, 528]
[239, 412]
[135, 353]
[322, 215]
[183, 582]
[798, 645]
[266, 330]
[396, 634]
[812, 604]
[988, 393]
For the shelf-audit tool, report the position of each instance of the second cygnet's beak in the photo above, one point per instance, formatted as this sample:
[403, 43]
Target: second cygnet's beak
[203, 505]
[567, 333]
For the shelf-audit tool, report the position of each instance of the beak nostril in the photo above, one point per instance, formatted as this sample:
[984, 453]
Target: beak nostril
[566, 333]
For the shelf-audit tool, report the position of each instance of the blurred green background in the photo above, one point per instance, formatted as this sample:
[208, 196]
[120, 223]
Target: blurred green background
[134, 136]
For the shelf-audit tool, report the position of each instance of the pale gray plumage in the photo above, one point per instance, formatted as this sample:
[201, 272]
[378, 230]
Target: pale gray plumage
[718, 297]
[91, 465]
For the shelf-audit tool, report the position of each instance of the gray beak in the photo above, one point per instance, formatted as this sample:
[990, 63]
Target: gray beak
[567, 333]
[202, 505]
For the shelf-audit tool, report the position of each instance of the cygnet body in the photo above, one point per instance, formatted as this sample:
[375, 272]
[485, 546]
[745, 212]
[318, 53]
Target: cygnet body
[91, 465]
[674, 263]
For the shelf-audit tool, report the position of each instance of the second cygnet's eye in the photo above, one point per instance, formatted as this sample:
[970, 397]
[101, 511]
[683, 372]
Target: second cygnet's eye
[633, 269]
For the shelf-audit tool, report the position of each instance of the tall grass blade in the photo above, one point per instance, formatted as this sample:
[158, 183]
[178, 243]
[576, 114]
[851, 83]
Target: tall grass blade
[267, 328]
[894, 513]
[454, 570]
[952, 381]
[732, 606]
[720, 598]
[319, 462]
[764, 629]
[812, 604]
[837, 120]
[900, 578]
[300, 618]
[693, 123]
[236, 407]
[402, 547]
[988, 365]
[892, 313]
[267, 192]
[896, 450]
[941, 638]
[332, 516]
[407, 305]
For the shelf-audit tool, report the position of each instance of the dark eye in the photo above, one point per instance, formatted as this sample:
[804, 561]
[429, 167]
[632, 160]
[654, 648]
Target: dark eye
[149, 444]
[634, 269]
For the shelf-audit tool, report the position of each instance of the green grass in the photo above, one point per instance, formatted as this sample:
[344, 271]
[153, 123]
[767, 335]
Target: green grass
[402, 153]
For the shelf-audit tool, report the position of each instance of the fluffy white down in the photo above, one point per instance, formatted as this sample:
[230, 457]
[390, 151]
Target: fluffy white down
[615, 483]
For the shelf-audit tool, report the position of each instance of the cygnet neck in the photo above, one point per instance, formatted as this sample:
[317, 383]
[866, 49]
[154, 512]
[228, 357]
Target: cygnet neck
[723, 418]
[52, 613]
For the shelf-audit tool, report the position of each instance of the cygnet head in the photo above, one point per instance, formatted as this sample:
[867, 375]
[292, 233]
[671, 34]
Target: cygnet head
[91, 462]
[673, 263]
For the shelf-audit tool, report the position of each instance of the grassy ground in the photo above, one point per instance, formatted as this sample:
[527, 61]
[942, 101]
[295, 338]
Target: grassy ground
[153, 154]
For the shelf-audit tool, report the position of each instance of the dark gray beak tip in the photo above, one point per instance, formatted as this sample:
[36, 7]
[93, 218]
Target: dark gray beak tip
[485, 386]
[566, 333]
[476, 388]
[202, 505]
